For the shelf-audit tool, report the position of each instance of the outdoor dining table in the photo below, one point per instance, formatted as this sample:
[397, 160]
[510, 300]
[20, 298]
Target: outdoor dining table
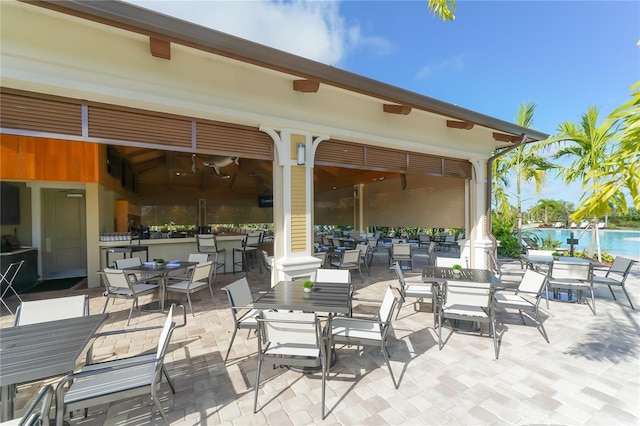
[440, 275]
[38, 351]
[323, 297]
[153, 270]
[531, 260]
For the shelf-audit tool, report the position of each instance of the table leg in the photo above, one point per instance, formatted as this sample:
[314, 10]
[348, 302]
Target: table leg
[6, 412]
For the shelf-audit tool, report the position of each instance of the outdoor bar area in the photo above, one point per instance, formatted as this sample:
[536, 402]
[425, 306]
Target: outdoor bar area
[224, 206]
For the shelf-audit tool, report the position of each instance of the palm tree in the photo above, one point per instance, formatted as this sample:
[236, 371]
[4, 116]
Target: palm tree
[523, 161]
[589, 146]
[443, 9]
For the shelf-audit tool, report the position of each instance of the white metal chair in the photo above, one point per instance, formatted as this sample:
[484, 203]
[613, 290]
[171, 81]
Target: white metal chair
[241, 304]
[448, 262]
[37, 413]
[366, 254]
[207, 243]
[401, 253]
[322, 255]
[110, 381]
[506, 276]
[199, 280]
[268, 266]
[365, 332]
[290, 339]
[350, 260]
[251, 246]
[531, 287]
[570, 277]
[417, 288]
[38, 311]
[620, 268]
[339, 276]
[467, 301]
[6, 280]
[193, 257]
[121, 285]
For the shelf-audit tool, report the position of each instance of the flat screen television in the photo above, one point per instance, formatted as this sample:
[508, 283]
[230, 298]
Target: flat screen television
[10, 207]
[265, 201]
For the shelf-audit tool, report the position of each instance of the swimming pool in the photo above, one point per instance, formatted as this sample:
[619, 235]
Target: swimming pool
[623, 243]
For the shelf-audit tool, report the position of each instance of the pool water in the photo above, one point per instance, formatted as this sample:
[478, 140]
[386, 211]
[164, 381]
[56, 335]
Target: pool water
[623, 243]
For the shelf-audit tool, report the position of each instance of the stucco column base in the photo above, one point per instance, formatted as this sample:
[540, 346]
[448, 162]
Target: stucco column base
[294, 267]
[477, 254]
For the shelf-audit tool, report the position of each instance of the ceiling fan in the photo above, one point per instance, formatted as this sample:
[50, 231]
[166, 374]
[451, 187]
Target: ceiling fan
[215, 163]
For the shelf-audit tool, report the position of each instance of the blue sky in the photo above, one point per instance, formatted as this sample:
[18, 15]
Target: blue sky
[563, 55]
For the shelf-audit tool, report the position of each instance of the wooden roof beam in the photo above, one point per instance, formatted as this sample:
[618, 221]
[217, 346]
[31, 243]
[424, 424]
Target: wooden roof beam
[464, 125]
[503, 137]
[396, 109]
[306, 86]
[160, 48]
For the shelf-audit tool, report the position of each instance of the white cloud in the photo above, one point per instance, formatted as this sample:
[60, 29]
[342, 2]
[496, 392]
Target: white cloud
[453, 63]
[312, 29]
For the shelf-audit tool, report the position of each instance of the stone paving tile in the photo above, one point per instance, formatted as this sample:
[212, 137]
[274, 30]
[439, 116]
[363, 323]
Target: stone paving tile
[587, 374]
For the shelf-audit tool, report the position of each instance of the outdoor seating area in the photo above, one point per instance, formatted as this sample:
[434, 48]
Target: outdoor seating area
[393, 373]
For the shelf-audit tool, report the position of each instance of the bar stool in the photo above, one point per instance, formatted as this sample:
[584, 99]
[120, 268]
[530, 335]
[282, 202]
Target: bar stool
[251, 246]
[207, 243]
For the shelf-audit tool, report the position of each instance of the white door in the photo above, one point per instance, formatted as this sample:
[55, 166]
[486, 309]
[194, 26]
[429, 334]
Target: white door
[64, 251]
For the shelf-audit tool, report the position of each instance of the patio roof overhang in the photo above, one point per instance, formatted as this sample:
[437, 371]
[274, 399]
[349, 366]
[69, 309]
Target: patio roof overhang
[164, 30]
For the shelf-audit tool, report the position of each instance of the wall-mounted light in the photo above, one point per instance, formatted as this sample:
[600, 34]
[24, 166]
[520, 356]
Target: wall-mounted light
[300, 153]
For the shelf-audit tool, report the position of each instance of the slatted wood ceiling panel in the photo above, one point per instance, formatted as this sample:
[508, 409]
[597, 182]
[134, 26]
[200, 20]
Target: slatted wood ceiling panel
[298, 209]
[235, 140]
[139, 126]
[24, 112]
[340, 153]
[389, 159]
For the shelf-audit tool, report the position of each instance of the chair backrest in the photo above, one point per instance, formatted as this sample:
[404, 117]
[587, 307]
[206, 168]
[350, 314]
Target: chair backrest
[385, 313]
[333, 276]
[322, 256]
[128, 262]
[450, 238]
[532, 282]
[37, 311]
[424, 238]
[33, 416]
[448, 262]
[493, 262]
[468, 294]
[532, 244]
[202, 272]
[267, 260]
[363, 249]
[163, 342]
[198, 257]
[561, 269]
[351, 256]
[622, 266]
[239, 294]
[372, 241]
[401, 249]
[283, 328]
[253, 239]
[116, 279]
[206, 243]
[533, 252]
[398, 270]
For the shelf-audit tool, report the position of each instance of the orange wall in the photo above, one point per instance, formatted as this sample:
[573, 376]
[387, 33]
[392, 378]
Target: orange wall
[44, 159]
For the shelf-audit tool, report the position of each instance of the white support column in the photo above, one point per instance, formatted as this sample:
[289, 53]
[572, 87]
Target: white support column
[293, 203]
[479, 241]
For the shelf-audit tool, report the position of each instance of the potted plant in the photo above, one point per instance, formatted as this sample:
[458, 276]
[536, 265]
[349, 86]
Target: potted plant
[556, 255]
[307, 285]
[457, 269]
[159, 262]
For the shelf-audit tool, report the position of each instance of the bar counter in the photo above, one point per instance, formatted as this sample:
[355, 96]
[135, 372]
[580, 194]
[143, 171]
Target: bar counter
[170, 248]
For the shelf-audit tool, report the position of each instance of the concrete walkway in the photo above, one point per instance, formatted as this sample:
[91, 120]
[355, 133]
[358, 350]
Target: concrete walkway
[588, 374]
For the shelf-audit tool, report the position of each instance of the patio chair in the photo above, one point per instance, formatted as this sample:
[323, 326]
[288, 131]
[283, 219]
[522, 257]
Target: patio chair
[340, 276]
[570, 277]
[401, 253]
[199, 280]
[121, 285]
[620, 267]
[365, 332]
[450, 241]
[322, 255]
[424, 240]
[110, 381]
[268, 266]
[467, 301]
[207, 243]
[241, 304]
[38, 311]
[290, 339]
[366, 254]
[532, 285]
[129, 262]
[251, 246]
[37, 413]
[350, 260]
[508, 277]
[6, 279]
[417, 288]
[193, 257]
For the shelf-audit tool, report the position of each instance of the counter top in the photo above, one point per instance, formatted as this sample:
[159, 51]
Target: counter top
[163, 241]
[18, 251]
